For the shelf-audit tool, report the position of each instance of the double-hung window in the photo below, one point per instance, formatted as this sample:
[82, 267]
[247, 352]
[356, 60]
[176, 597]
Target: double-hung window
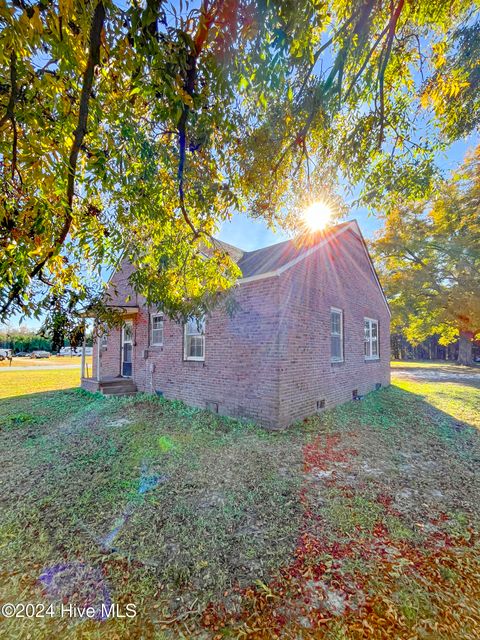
[156, 335]
[194, 340]
[336, 335]
[371, 339]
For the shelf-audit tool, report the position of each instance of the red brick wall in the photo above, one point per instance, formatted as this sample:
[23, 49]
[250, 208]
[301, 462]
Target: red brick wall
[335, 276]
[240, 371]
[270, 361]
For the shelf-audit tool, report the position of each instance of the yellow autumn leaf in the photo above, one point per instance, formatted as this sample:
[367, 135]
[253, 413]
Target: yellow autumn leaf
[186, 97]
[66, 7]
[36, 21]
[424, 100]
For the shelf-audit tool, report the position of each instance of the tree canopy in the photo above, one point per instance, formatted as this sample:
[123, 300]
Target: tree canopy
[430, 259]
[137, 129]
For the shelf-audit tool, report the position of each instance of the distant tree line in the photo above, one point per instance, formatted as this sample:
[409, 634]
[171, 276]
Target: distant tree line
[428, 349]
[24, 339]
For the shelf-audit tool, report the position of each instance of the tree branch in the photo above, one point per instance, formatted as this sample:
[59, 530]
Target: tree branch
[10, 111]
[384, 63]
[207, 18]
[79, 134]
[365, 62]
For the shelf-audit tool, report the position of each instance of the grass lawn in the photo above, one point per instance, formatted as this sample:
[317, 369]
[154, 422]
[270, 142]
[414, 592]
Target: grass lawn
[27, 383]
[359, 523]
[42, 362]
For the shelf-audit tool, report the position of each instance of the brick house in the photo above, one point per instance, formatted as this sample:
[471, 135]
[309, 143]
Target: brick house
[311, 330]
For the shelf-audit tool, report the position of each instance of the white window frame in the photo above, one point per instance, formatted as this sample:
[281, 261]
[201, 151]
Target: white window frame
[370, 341]
[152, 317]
[185, 341]
[340, 335]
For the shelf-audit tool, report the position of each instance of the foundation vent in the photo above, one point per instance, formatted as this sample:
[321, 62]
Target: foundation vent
[320, 404]
[212, 406]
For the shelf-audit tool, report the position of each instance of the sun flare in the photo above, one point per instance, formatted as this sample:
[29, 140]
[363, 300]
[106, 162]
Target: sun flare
[317, 215]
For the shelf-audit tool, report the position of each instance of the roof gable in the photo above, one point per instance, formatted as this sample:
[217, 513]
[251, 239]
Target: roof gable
[276, 259]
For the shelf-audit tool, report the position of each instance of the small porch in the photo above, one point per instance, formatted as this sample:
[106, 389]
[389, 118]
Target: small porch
[110, 386]
[115, 376]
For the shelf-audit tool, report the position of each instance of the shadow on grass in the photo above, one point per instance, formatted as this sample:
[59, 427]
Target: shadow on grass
[40, 407]
[459, 417]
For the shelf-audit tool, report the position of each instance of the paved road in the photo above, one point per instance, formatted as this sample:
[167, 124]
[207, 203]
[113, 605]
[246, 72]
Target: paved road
[42, 367]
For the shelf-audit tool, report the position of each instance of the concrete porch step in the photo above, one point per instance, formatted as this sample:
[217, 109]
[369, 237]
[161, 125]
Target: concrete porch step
[117, 387]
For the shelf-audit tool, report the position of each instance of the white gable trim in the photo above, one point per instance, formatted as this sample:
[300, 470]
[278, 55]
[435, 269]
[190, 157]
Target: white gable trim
[260, 276]
[370, 262]
[353, 226]
[292, 263]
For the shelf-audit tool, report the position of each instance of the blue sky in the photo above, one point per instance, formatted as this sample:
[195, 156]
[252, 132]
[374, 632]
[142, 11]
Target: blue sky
[249, 234]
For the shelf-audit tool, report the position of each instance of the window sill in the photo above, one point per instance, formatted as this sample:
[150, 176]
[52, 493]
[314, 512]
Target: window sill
[194, 359]
[334, 362]
[372, 359]
[155, 346]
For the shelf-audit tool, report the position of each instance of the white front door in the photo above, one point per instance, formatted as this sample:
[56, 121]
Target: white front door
[127, 348]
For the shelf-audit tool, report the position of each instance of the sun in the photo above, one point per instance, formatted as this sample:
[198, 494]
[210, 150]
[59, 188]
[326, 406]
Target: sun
[317, 215]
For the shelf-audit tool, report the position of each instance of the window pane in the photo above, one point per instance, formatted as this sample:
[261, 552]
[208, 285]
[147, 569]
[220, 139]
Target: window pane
[367, 330]
[374, 329]
[127, 332]
[195, 326]
[195, 338]
[195, 345]
[336, 347]
[374, 347]
[157, 329]
[335, 322]
[191, 327]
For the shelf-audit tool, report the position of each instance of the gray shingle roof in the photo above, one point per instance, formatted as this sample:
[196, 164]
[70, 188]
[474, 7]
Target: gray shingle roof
[260, 261]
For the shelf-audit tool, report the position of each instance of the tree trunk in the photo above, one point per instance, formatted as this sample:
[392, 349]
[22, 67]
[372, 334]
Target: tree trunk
[465, 348]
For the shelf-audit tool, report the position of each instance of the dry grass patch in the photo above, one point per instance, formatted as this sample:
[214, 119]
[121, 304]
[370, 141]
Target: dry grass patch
[20, 383]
